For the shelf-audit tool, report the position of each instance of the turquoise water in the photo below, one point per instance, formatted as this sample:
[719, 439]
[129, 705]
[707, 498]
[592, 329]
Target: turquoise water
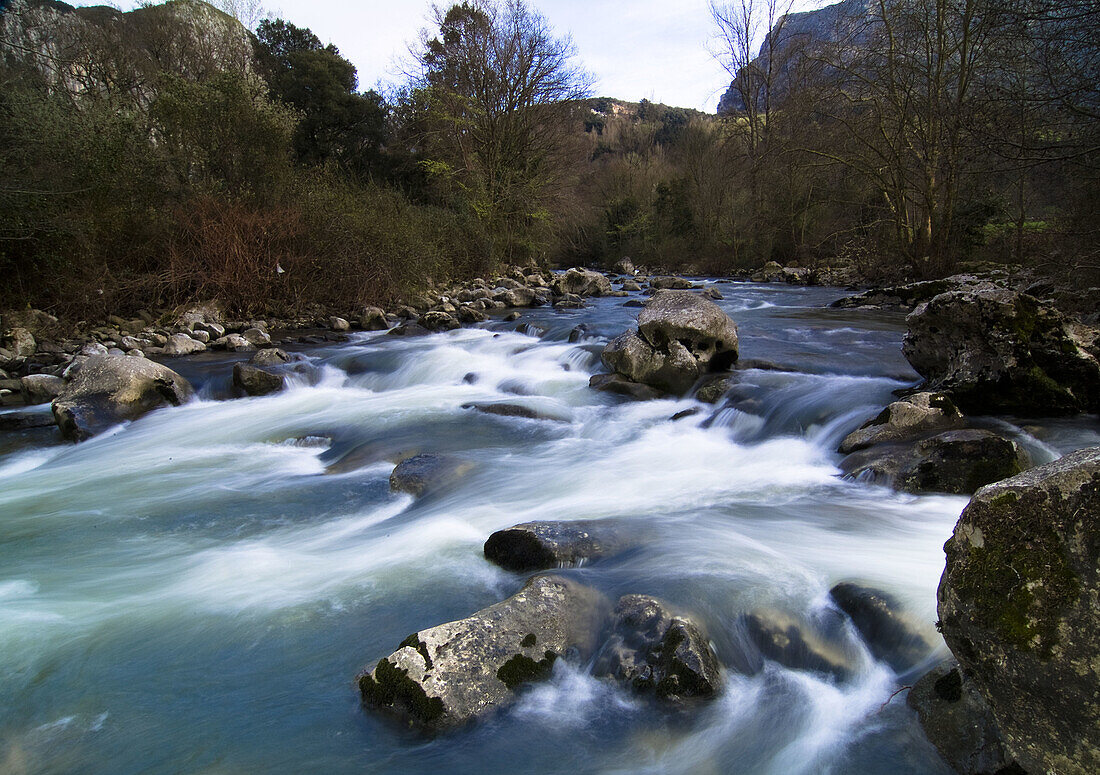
[194, 592]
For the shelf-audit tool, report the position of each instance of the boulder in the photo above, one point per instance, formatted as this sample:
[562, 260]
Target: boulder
[953, 462]
[889, 635]
[338, 324]
[182, 344]
[423, 473]
[439, 321]
[652, 650]
[408, 330]
[915, 415]
[625, 266]
[543, 545]
[262, 375]
[580, 282]
[680, 336]
[41, 388]
[454, 673]
[20, 342]
[995, 351]
[234, 343]
[109, 389]
[958, 722]
[631, 287]
[25, 420]
[569, 301]
[256, 337]
[771, 272]
[1019, 606]
[373, 319]
[669, 282]
[613, 383]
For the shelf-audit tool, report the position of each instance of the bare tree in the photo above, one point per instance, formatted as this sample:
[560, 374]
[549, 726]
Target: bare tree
[498, 91]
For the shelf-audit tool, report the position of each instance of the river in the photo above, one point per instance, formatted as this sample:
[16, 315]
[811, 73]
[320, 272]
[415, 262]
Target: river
[195, 592]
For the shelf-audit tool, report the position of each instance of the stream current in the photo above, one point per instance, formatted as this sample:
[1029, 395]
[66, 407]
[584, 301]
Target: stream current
[194, 592]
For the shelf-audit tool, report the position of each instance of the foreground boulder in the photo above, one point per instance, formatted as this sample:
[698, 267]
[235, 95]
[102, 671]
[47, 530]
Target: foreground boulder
[652, 650]
[453, 673]
[958, 722]
[109, 389]
[903, 420]
[956, 462]
[680, 337]
[581, 282]
[543, 545]
[1018, 604]
[889, 635]
[995, 351]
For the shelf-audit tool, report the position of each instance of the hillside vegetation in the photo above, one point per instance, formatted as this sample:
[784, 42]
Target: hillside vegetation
[169, 154]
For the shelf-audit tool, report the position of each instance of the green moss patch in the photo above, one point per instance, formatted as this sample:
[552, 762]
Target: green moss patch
[521, 668]
[391, 687]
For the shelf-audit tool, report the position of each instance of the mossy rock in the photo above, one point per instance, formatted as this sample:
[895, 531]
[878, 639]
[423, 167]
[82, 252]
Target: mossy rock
[1019, 604]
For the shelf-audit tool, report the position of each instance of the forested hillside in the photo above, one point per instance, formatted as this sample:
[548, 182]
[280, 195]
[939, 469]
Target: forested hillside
[170, 154]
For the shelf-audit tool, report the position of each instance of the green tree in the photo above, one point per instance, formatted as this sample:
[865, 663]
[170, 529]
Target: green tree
[337, 123]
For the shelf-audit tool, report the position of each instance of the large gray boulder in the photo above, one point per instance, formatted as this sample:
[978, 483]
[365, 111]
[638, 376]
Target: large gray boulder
[906, 419]
[680, 337]
[581, 282]
[995, 351]
[109, 389]
[953, 462]
[959, 723]
[41, 388]
[542, 545]
[653, 650]
[453, 673]
[1019, 605]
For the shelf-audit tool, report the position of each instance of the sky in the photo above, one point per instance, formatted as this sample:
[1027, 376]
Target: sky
[658, 50]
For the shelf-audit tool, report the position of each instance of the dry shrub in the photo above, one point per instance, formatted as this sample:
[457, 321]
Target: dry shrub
[230, 251]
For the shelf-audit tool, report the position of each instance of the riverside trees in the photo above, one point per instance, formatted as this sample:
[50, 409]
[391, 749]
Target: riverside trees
[494, 109]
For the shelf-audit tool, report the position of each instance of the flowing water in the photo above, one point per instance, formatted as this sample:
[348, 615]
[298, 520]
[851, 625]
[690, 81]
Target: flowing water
[194, 592]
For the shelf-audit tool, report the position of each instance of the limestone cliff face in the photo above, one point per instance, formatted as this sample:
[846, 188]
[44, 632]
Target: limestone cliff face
[100, 51]
[798, 33]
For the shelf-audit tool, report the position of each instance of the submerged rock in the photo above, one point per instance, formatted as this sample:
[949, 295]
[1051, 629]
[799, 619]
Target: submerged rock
[542, 545]
[447, 675]
[958, 722]
[510, 410]
[781, 639]
[889, 635]
[423, 473]
[953, 462]
[652, 650]
[995, 351]
[109, 389]
[1018, 604]
[903, 420]
[613, 383]
[680, 336]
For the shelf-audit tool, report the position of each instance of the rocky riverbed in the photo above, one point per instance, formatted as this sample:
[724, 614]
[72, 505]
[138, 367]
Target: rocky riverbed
[693, 580]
